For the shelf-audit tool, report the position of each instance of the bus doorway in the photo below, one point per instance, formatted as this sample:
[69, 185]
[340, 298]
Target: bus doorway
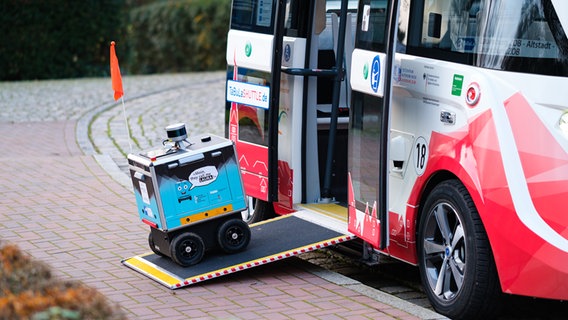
[295, 149]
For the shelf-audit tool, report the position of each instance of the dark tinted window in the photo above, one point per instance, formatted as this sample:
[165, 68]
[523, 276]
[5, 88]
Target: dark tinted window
[371, 24]
[253, 15]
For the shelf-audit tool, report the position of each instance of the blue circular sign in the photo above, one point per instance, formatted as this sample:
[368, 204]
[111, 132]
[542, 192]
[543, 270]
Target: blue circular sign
[375, 73]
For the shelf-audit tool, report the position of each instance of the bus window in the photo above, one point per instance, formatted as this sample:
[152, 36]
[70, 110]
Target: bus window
[296, 16]
[524, 36]
[513, 35]
[253, 15]
[402, 34]
[372, 23]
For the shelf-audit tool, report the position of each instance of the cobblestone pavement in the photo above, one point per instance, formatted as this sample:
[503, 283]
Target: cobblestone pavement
[66, 201]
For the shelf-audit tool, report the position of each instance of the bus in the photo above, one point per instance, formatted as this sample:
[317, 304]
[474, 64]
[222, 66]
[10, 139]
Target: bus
[438, 129]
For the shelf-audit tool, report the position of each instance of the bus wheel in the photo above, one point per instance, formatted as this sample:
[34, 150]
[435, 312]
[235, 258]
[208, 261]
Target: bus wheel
[233, 235]
[456, 263]
[187, 249]
[258, 210]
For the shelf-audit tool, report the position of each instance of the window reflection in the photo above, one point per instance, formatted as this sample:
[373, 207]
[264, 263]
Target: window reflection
[516, 35]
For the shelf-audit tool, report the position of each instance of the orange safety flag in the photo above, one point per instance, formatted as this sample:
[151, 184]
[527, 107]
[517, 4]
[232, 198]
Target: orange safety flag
[115, 74]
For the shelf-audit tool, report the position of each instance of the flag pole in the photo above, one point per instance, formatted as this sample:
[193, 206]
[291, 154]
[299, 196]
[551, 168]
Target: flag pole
[126, 124]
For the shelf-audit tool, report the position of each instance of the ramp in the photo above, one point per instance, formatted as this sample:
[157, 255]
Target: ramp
[271, 240]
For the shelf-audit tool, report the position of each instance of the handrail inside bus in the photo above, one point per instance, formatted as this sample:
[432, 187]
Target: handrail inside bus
[311, 72]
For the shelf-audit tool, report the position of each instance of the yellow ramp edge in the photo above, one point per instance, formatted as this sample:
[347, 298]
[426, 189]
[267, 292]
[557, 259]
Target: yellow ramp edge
[152, 271]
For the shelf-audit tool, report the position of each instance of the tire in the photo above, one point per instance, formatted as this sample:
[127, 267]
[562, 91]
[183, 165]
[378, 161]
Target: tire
[257, 211]
[233, 235]
[152, 246]
[456, 264]
[187, 249]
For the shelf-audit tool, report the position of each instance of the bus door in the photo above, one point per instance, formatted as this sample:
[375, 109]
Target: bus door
[274, 75]
[297, 27]
[253, 79]
[369, 127]
[313, 156]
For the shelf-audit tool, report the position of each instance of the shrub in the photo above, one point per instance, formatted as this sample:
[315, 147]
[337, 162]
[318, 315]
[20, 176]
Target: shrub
[53, 39]
[29, 291]
[47, 39]
[178, 36]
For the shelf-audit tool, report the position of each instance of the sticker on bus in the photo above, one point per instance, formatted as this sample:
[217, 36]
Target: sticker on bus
[248, 94]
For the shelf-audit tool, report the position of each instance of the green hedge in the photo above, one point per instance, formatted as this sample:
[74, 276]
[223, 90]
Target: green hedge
[46, 39]
[178, 36]
[51, 39]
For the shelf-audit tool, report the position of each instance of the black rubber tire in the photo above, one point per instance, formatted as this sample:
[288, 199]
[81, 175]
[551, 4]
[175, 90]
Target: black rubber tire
[463, 260]
[257, 211]
[187, 249]
[233, 235]
[152, 246]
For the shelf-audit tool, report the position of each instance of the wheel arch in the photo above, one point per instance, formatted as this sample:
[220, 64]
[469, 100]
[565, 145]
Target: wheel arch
[441, 169]
[435, 179]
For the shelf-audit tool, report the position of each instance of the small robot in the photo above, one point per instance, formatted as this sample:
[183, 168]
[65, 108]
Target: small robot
[190, 193]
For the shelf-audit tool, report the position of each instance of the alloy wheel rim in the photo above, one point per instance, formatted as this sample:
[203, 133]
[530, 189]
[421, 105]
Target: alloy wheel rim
[444, 251]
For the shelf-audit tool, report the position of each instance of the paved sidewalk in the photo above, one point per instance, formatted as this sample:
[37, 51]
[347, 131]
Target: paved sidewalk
[66, 201]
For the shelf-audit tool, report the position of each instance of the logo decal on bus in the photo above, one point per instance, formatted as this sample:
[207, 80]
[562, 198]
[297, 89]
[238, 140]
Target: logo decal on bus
[248, 49]
[375, 73]
[473, 94]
